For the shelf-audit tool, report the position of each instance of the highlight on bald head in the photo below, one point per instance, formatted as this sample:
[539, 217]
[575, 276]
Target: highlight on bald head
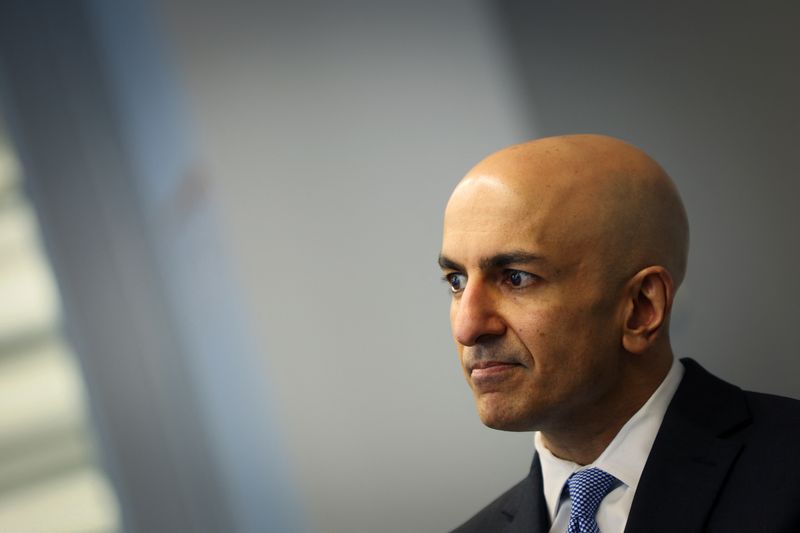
[599, 188]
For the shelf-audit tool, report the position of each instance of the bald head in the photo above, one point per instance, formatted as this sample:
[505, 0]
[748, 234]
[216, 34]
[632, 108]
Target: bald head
[592, 190]
[563, 256]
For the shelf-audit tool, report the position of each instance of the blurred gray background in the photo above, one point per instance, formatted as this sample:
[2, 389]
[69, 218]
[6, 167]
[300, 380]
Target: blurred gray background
[242, 203]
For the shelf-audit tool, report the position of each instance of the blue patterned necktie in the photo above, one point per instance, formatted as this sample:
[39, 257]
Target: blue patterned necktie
[587, 488]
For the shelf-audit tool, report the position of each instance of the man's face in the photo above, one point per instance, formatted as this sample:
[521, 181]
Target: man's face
[535, 314]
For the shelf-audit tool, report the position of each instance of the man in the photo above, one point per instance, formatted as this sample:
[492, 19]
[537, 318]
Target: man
[563, 256]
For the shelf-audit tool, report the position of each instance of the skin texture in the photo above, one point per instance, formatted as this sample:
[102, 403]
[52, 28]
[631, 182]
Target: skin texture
[564, 255]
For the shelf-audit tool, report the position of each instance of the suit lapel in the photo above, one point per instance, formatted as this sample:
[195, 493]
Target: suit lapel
[528, 511]
[691, 455]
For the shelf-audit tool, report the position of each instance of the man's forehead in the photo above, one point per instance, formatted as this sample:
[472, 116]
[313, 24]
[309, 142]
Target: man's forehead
[471, 192]
[487, 219]
[526, 190]
[488, 198]
[493, 236]
[487, 208]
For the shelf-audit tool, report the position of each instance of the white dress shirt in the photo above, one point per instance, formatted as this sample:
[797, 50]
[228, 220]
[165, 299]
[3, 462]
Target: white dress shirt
[624, 458]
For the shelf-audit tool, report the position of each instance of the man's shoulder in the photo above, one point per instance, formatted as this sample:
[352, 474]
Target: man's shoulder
[774, 425]
[762, 473]
[776, 409]
[735, 448]
[762, 409]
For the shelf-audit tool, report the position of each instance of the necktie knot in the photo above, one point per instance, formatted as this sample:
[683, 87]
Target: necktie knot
[587, 488]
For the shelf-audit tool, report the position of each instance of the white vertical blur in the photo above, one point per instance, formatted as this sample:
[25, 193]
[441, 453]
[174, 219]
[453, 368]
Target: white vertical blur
[49, 481]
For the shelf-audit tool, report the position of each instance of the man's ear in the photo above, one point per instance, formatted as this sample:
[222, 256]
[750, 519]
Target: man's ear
[648, 303]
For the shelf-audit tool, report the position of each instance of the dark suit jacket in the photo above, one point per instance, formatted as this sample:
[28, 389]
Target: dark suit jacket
[724, 460]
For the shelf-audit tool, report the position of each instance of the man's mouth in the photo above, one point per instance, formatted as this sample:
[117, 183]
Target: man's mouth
[487, 364]
[486, 372]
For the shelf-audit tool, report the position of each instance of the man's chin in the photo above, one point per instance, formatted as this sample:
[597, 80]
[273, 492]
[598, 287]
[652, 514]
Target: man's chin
[503, 418]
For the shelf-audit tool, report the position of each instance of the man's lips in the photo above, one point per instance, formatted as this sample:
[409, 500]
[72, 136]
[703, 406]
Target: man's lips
[486, 375]
[486, 365]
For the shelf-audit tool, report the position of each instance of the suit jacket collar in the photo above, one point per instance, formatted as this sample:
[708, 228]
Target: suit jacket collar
[527, 511]
[691, 455]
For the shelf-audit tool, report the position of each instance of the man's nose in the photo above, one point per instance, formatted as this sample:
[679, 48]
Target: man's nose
[475, 315]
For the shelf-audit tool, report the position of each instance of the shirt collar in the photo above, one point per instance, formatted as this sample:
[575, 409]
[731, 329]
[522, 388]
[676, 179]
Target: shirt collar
[625, 456]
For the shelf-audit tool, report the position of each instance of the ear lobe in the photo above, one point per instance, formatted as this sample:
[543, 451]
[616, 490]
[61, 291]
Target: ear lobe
[648, 307]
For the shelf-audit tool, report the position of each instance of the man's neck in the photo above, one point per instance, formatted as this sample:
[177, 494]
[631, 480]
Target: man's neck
[584, 439]
[581, 447]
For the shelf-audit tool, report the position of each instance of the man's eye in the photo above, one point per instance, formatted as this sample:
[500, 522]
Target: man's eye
[519, 279]
[456, 281]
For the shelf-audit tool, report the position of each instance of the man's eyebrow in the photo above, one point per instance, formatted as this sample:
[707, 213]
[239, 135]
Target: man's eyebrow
[448, 264]
[516, 257]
